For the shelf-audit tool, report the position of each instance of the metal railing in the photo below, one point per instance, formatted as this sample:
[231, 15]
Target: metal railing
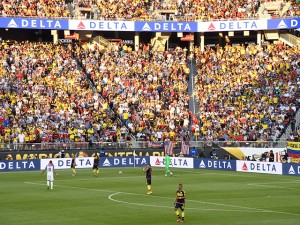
[135, 145]
[150, 18]
[291, 39]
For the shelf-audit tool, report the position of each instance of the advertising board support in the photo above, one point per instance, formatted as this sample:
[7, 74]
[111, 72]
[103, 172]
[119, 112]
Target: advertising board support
[259, 37]
[202, 41]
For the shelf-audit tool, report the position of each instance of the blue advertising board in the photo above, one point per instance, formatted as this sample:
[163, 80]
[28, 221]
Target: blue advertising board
[34, 23]
[166, 26]
[19, 165]
[124, 161]
[291, 23]
[214, 164]
[291, 169]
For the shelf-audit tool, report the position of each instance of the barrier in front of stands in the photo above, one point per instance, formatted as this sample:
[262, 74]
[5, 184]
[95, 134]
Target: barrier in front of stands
[65, 163]
[19, 165]
[133, 161]
[213, 164]
[156, 161]
[149, 26]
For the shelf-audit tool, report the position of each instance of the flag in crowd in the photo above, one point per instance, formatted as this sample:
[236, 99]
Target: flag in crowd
[169, 147]
[185, 148]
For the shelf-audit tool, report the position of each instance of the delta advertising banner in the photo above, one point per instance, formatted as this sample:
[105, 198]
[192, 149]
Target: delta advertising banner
[177, 162]
[65, 163]
[232, 25]
[259, 167]
[167, 26]
[101, 25]
[214, 164]
[290, 23]
[291, 169]
[34, 23]
[19, 165]
[124, 161]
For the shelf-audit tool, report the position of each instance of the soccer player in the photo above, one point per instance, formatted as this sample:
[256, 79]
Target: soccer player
[96, 164]
[73, 164]
[50, 171]
[180, 203]
[167, 164]
[148, 171]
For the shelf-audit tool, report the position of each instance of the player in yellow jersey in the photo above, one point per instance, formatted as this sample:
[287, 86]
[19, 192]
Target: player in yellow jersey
[180, 203]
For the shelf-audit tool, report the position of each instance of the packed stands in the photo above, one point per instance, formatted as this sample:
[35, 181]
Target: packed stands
[189, 10]
[46, 98]
[147, 89]
[34, 8]
[247, 93]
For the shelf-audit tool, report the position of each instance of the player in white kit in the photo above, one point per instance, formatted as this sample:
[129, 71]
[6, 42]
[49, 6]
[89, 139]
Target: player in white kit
[50, 174]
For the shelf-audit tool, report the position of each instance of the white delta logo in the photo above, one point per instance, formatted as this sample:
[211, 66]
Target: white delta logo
[283, 25]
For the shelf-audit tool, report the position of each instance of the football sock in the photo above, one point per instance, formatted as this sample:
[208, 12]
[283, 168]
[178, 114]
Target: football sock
[177, 212]
[97, 171]
[182, 215]
[73, 170]
[149, 187]
[51, 184]
[48, 183]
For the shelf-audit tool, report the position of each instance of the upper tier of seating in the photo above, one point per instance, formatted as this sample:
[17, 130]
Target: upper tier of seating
[189, 10]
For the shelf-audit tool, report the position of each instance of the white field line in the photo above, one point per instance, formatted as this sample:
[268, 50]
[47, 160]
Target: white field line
[44, 221]
[204, 202]
[110, 197]
[272, 186]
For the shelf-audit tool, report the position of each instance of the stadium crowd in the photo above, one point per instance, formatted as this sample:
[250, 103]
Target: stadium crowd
[45, 97]
[147, 89]
[140, 10]
[34, 8]
[247, 93]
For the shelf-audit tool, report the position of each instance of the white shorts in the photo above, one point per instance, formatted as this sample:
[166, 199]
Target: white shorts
[50, 177]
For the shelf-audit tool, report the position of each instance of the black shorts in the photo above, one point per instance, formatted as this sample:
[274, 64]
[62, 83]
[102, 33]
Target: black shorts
[148, 181]
[95, 166]
[179, 206]
[73, 165]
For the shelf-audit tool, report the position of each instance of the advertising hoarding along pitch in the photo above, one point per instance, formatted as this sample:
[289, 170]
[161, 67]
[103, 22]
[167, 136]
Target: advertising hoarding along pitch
[178, 162]
[259, 167]
[124, 161]
[65, 163]
[291, 169]
[19, 165]
[33, 23]
[215, 164]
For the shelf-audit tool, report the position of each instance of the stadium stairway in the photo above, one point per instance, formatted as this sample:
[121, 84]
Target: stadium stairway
[94, 89]
[71, 9]
[193, 104]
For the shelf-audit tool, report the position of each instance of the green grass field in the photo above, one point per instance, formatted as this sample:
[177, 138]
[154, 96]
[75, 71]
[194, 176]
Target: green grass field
[213, 197]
